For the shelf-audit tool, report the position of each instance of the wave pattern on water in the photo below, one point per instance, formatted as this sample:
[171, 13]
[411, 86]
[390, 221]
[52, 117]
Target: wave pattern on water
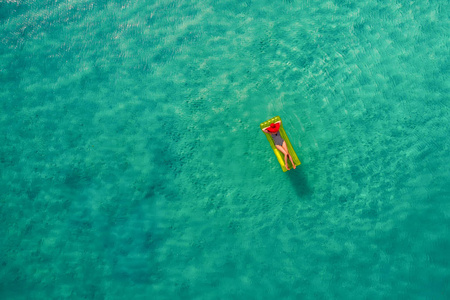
[132, 164]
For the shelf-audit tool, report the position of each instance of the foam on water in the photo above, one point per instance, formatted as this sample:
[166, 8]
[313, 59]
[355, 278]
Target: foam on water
[132, 165]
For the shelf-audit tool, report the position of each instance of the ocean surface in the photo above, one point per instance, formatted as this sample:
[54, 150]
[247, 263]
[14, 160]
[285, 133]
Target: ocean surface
[132, 165]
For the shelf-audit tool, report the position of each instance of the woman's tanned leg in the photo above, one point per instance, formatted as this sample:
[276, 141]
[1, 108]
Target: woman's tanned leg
[285, 155]
[290, 156]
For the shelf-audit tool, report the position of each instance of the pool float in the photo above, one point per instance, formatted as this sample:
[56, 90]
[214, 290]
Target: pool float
[278, 153]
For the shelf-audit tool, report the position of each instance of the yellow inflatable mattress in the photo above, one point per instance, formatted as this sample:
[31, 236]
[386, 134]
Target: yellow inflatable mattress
[278, 153]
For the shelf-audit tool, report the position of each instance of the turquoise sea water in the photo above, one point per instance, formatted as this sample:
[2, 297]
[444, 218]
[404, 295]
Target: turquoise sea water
[132, 165]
